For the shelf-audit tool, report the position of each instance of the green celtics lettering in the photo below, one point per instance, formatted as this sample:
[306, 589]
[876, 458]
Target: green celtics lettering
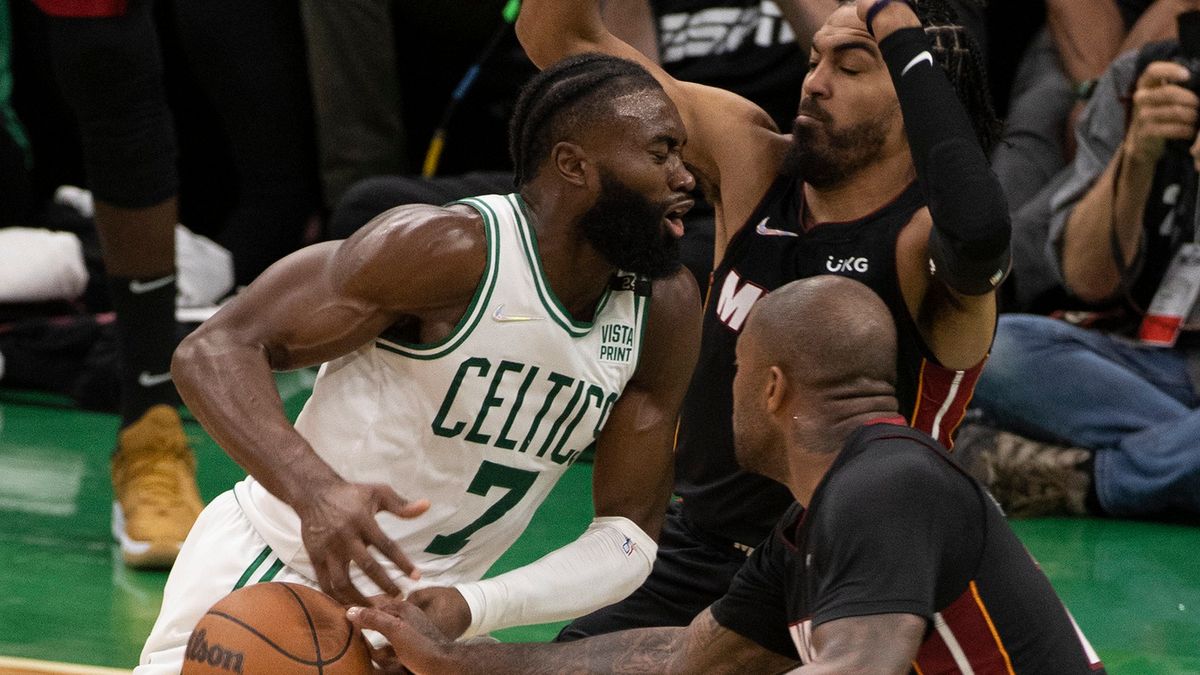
[524, 397]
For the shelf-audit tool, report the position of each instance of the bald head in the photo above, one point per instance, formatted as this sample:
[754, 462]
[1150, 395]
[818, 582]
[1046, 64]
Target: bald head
[816, 359]
[824, 332]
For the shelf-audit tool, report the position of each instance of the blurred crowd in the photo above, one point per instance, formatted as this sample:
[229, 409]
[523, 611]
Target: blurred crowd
[155, 156]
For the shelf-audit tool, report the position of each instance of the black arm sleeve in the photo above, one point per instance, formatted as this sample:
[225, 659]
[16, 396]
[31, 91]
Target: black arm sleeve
[969, 244]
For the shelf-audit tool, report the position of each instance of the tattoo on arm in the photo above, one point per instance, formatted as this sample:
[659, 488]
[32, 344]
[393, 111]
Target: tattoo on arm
[704, 646]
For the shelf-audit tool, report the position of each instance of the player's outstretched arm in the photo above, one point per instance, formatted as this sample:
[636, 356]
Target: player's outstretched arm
[948, 268]
[315, 305]
[632, 476]
[733, 145]
[702, 647]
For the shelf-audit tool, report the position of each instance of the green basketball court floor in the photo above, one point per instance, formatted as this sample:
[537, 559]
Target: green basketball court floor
[65, 597]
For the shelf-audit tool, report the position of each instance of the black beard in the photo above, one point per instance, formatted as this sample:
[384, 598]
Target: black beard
[627, 229]
[825, 157]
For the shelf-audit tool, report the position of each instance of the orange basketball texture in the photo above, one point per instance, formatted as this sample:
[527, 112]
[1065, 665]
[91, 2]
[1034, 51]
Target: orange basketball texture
[276, 627]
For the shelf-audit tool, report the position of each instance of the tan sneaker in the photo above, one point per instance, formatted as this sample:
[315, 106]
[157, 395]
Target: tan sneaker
[154, 485]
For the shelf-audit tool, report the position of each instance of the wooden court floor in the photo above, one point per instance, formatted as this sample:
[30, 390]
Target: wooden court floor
[1133, 587]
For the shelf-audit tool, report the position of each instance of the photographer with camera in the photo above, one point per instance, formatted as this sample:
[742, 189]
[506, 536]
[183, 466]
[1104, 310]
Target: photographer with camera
[1126, 241]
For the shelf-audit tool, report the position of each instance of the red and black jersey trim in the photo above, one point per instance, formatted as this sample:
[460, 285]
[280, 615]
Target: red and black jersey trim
[942, 399]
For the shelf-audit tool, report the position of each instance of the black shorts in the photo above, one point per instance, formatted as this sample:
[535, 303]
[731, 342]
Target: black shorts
[110, 71]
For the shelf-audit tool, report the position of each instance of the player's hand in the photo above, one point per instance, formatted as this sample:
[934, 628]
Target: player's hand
[416, 645]
[1162, 111]
[445, 607]
[337, 524]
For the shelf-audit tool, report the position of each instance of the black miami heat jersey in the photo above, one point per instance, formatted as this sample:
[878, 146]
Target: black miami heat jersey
[896, 527]
[771, 250]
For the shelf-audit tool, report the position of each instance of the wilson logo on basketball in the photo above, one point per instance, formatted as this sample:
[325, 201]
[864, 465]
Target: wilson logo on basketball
[215, 656]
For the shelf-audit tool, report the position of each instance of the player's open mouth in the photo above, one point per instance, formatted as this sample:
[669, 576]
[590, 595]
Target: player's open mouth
[674, 216]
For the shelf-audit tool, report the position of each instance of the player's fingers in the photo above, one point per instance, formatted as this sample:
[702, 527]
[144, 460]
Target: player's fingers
[339, 586]
[392, 502]
[401, 625]
[380, 600]
[385, 661]
[373, 569]
[391, 550]
[392, 627]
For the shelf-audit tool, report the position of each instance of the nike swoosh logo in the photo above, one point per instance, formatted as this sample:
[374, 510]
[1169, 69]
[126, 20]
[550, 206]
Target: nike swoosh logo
[139, 287]
[923, 56]
[500, 316]
[772, 232]
[147, 380]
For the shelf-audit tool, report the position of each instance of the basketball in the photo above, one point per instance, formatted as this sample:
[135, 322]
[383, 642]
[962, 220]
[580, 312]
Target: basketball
[276, 628]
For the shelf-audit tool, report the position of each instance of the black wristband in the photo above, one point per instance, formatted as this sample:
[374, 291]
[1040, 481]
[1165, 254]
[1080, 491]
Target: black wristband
[877, 8]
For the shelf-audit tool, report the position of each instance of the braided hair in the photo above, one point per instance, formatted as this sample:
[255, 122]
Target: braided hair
[962, 60]
[567, 96]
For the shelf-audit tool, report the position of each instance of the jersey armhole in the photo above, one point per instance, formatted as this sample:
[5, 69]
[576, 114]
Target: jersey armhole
[479, 301]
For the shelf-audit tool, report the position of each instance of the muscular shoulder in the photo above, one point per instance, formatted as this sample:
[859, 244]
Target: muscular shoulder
[413, 257]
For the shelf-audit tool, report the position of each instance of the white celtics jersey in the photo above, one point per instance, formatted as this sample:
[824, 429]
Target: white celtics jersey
[482, 423]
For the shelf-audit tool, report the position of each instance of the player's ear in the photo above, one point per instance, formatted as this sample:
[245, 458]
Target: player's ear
[571, 162]
[776, 389]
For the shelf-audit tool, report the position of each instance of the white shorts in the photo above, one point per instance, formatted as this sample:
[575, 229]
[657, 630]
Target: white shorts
[223, 552]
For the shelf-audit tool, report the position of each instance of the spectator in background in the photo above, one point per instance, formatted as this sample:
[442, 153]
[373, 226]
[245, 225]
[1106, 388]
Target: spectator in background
[248, 59]
[375, 115]
[108, 64]
[1125, 212]
[355, 84]
[107, 60]
[1054, 80]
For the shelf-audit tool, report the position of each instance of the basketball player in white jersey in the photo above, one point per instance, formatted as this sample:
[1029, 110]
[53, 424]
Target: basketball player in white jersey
[471, 354]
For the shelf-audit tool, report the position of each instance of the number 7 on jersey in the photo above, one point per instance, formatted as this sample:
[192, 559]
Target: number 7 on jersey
[490, 474]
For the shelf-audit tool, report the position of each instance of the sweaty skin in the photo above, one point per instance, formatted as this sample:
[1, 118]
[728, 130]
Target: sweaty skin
[416, 268]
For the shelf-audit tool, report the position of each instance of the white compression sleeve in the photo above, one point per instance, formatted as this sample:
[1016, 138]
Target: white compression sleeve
[605, 564]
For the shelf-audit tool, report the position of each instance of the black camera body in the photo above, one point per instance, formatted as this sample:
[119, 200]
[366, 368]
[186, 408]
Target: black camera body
[1189, 48]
